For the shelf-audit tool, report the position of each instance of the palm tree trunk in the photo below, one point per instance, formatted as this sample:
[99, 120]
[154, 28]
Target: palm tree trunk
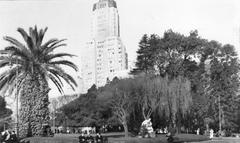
[34, 106]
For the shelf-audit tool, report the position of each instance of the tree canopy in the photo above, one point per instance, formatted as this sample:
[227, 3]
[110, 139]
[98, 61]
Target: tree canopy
[178, 80]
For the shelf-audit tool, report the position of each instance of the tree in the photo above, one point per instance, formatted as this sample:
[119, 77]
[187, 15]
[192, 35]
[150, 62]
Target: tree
[210, 67]
[123, 102]
[145, 56]
[150, 92]
[87, 110]
[175, 100]
[173, 54]
[29, 66]
[163, 96]
[224, 83]
[5, 113]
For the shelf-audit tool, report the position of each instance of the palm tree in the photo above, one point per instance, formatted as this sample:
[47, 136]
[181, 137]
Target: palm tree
[27, 69]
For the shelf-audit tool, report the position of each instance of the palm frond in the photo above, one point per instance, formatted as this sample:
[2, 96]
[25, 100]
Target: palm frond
[58, 85]
[65, 62]
[33, 35]
[8, 76]
[57, 77]
[33, 57]
[10, 61]
[41, 35]
[58, 55]
[44, 71]
[4, 64]
[50, 43]
[16, 83]
[61, 73]
[67, 80]
[17, 44]
[26, 38]
[53, 77]
[4, 52]
[53, 47]
[14, 51]
[14, 42]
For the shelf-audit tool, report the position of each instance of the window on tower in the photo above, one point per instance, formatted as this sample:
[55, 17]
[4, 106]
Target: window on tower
[102, 5]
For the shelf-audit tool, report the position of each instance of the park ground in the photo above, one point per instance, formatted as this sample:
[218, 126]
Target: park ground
[116, 138]
[222, 140]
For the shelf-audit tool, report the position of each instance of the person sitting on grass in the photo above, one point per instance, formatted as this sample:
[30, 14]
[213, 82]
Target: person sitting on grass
[13, 137]
[99, 138]
[171, 134]
[90, 138]
[82, 138]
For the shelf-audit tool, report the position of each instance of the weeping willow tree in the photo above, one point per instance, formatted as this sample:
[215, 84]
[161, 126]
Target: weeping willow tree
[161, 94]
[178, 99]
[151, 94]
[28, 68]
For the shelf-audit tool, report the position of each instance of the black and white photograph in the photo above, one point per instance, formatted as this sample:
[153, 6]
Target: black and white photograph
[119, 71]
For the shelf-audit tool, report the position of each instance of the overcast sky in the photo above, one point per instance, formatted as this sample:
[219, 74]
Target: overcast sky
[214, 19]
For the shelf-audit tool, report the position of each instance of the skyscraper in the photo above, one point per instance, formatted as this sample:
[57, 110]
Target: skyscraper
[104, 55]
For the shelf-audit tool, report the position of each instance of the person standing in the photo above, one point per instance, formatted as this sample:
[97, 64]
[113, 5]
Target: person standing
[198, 130]
[4, 136]
[7, 139]
[211, 133]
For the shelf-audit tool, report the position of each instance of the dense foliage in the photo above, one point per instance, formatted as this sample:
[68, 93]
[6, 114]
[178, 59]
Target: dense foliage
[212, 68]
[178, 80]
[127, 101]
[5, 113]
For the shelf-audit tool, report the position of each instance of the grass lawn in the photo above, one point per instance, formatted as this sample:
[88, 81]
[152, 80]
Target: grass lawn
[223, 140]
[65, 138]
[116, 138]
[160, 139]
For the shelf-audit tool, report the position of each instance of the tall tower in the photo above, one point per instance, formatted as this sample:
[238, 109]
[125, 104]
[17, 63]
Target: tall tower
[104, 56]
[105, 20]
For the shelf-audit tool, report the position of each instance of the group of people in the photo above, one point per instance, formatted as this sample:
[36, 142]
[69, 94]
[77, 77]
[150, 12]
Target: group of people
[88, 138]
[8, 137]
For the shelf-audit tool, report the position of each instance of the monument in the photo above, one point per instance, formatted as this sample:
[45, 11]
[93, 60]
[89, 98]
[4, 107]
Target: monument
[146, 130]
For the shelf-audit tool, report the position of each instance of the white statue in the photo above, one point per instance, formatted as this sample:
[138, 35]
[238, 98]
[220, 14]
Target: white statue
[211, 134]
[198, 130]
[148, 125]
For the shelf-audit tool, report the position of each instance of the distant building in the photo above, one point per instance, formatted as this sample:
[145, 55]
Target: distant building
[80, 85]
[104, 56]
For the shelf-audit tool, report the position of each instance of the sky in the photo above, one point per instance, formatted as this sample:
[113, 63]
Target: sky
[214, 19]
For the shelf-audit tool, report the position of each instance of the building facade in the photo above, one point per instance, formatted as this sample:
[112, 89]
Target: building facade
[104, 55]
